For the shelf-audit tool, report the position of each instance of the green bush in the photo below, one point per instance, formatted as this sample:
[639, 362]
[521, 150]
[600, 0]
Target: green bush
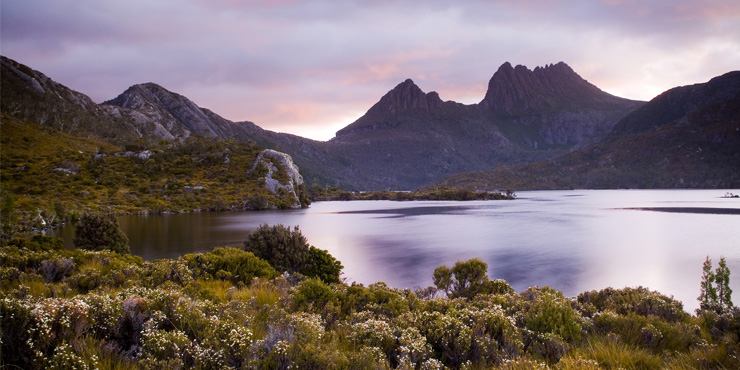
[231, 264]
[547, 311]
[638, 300]
[100, 232]
[312, 293]
[288, 251]
[466, 279]
[323, 266]
[283, 249]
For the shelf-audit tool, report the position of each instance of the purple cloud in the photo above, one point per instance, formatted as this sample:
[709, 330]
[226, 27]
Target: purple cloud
[312, 67]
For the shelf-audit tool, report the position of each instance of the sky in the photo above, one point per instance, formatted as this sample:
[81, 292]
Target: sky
[312, 67]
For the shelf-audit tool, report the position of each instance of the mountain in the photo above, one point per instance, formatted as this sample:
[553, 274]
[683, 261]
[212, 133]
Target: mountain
[408, 139]
[411, 138]
[687, 137]
[32, 96]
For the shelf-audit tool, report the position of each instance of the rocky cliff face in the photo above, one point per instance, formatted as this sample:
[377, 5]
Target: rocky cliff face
[551, 106]
[281, 176]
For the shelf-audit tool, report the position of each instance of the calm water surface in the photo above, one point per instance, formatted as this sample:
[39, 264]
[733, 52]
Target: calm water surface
[570, 240]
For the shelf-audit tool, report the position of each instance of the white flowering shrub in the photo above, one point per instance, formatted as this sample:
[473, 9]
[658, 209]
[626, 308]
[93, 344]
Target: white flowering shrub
[413, 348]
[64, 357]
[164, 348]
[373, 333]
[80, 309]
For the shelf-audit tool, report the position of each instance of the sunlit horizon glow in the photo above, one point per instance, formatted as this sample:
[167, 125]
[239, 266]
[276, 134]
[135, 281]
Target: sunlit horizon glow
[311, 67]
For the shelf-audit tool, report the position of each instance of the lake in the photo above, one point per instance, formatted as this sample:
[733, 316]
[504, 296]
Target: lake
[573, 241]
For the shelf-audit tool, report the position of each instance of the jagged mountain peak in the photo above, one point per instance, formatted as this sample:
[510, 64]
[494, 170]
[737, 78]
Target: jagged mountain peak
[406, 96]
[514, 90]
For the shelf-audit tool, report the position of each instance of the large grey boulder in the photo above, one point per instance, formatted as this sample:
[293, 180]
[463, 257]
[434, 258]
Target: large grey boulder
[282, 174]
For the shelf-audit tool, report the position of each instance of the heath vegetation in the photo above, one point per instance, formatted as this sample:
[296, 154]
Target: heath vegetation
[238, 308]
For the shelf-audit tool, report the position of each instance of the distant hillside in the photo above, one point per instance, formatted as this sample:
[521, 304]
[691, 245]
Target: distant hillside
[687, 137]
[406, 140]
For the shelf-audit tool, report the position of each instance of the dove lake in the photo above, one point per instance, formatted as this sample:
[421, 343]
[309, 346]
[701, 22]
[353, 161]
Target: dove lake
[573, 241]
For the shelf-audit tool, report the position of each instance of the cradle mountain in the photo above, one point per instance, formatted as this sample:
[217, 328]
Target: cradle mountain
[528, 120]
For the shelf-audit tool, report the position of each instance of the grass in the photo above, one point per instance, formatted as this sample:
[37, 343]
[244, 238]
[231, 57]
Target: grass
[50, 177]
[611, 353]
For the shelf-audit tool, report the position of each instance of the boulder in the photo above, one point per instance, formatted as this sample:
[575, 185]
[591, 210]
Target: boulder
[282, 176]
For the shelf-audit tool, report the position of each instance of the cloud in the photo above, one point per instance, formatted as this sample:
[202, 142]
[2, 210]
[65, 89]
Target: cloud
[292, 64]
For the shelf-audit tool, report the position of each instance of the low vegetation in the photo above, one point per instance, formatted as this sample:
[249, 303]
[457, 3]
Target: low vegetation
[49, 177]
[433, 193]
[229, 308]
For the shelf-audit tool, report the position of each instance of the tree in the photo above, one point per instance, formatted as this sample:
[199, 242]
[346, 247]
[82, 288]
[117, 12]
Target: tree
[100, 232]
[465, 279]
[707, 295]
[283, 249]
[722, 283]
[715, 294]
[289, 251]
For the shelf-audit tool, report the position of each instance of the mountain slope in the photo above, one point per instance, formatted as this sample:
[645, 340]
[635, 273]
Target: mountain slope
[32, 96]
[408, 139]
[411, 138]
[687, 137]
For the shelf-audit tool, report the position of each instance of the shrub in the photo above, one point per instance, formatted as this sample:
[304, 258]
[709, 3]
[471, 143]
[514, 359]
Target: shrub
[38, 243]
[99, 232]
[288, 251]
[638, 300]
[465, 279]
[547, 311]
[55, 270]
[323, 266]
[283, 249]
[231, 264]
[312, 293]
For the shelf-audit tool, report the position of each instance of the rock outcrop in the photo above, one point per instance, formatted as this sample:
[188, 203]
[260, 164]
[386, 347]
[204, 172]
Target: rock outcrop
[281, 176]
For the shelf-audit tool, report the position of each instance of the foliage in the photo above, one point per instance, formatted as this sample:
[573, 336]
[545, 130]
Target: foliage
[638, 300]
[230, 264]
[100, 232]
[51, 177]
[323, 265]
[722, 279]
[467, 279]
[708, 293]
[228, 309]
[715, 292]
[288, 251]
[284, 249]
[317, 193]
